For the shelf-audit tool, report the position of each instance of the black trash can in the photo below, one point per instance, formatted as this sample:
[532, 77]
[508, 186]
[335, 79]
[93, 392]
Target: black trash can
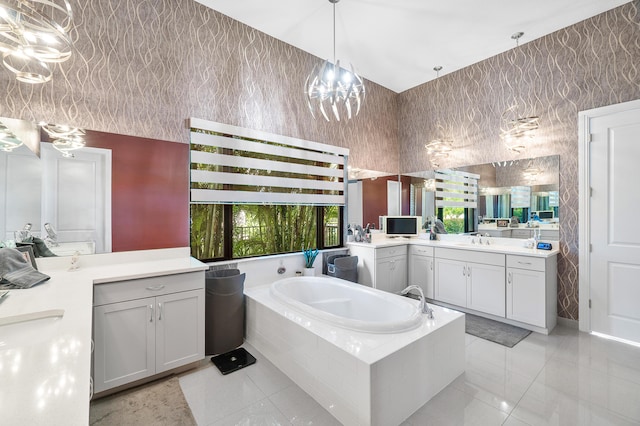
[224, 311]
[343, 266]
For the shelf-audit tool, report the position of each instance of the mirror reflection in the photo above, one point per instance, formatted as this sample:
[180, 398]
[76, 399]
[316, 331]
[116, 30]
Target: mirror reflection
[113, 193]
[512, 197]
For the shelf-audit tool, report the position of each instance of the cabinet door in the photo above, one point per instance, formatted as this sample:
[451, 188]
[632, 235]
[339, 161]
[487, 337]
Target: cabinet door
[421, 274]
[179, 329]
[451, 282]
[486, 290]
[526, 296]
[391, 274]
[124, 335]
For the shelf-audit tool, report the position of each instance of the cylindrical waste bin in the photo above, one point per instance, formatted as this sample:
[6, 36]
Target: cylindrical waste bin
[224, 311]
[343, 266]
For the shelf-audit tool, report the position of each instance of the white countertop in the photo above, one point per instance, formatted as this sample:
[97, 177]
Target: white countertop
[463, 242]
[45, 364]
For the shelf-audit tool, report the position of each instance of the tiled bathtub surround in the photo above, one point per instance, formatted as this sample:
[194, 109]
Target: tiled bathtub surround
[360, 378]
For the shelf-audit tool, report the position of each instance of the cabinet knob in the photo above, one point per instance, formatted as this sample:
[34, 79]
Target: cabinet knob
[509, 278]
[159, 311]
[150, 313]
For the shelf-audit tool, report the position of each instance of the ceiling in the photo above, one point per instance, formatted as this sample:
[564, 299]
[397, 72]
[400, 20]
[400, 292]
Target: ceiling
[398, 43]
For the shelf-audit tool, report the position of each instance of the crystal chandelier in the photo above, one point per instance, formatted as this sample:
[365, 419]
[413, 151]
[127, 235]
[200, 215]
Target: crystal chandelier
[331, 87]
[8, 140]
[517, 128]
[34, 34]
[64, 138]
[440, 147]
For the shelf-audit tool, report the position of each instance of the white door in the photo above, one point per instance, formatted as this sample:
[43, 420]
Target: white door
[354, 203]
[486, 289]
[394, 192]
[615, 237]
[451, 281]
[76, 195]
[526, 296]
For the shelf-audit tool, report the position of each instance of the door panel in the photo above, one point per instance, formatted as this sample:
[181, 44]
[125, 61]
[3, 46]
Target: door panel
[486, 291]
[615, 240]
[451, 282]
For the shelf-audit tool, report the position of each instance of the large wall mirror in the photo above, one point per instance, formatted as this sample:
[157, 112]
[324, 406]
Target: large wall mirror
[527, 189]
[118, 193]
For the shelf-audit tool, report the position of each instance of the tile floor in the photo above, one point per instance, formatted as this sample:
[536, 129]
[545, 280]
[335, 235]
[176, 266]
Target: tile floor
[566, 378]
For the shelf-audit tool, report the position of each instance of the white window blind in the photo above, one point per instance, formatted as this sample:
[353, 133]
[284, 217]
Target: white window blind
[232, 164]
[520, 196]
[554, 199]
[456, 189]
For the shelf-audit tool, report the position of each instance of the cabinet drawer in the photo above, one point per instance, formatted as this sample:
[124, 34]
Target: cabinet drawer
[146, 287]
[421, 251]
[550, 234]
[383, 252]
[470, 256]
[526, 262]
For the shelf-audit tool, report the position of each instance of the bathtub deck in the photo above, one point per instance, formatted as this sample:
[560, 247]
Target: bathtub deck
[361, 378]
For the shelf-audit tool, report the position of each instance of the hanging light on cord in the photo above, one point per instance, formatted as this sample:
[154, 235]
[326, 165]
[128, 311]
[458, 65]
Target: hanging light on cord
[517, 127]
[33, 35]
[331, 87]
[440, 147]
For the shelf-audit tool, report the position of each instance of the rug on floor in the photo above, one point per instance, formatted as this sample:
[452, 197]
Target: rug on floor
[157, 403]
[494, 331]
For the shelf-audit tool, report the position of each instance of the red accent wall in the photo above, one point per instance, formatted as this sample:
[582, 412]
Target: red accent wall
[149, 191]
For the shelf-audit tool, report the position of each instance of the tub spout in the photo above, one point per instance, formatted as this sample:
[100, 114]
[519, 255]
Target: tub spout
[424, 308]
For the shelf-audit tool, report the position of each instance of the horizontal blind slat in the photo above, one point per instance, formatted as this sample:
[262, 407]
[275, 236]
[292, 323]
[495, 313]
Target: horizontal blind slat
[252, 197]
[204, 176]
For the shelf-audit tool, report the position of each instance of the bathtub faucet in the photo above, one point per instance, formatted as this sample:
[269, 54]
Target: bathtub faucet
[424, 308]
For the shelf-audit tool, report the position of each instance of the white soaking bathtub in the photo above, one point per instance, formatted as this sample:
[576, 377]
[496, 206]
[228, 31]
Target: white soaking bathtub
[348, 305]
[335, 340]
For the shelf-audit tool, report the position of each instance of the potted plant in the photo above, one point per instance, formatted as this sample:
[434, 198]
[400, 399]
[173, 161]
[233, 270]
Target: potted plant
[309, 257]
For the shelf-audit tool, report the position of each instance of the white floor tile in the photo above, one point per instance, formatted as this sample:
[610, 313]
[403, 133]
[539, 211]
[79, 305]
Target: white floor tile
[565, 378]
[298, 406]
[213, 396]
[454, 407]
[497, 386]
[262, 413]
[543, 405]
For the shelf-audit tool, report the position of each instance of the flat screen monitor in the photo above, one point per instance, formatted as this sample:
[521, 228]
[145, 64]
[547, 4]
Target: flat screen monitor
[402, 226]
[545, 214]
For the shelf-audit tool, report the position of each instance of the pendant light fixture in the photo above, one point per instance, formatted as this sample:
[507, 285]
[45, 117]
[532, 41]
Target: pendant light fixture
[517, 127]
[440, 147]
[8, 140]
[64, 138]
[34, 34]
[333, 90]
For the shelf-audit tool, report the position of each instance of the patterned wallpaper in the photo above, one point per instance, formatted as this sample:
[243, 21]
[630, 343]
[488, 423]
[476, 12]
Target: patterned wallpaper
[141, 67]
[588, 65]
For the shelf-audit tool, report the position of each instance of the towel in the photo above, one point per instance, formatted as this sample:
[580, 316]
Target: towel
[17, 272]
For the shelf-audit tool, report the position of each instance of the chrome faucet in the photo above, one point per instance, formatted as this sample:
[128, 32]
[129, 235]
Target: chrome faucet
[424, 308]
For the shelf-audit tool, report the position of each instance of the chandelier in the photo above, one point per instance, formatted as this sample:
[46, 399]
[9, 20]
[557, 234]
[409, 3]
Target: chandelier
[8, 140]
[517, 128]
[332, 88]
[64, 138]
[34, 34]
[440, 147]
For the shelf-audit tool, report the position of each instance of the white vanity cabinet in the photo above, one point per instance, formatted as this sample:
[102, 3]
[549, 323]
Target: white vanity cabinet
[146, 326]
[421, 266]
[471, 279]
[391, 268]
[384, 268]
[531, 290]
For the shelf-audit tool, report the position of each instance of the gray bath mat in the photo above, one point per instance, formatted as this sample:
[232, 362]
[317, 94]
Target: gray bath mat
[495, 331]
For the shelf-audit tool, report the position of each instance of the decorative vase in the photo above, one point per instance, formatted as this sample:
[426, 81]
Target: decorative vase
[309, 272]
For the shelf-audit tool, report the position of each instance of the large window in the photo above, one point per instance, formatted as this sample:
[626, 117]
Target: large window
[254, 194]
